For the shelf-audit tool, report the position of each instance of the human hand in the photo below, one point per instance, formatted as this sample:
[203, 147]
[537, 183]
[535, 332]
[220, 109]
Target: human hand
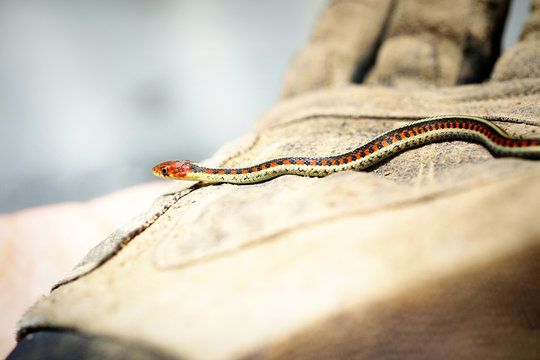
[41, 244]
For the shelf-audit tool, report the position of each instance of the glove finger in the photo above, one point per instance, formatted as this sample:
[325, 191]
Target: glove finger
[440, 43]
[345, 38]
[522, 60]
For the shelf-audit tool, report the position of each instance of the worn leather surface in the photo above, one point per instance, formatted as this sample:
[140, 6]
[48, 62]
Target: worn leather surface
[434, 253]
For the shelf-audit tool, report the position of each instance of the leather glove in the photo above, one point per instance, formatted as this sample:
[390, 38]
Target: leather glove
[434, 253]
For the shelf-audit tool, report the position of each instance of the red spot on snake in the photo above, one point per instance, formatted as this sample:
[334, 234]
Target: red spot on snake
[174, 169]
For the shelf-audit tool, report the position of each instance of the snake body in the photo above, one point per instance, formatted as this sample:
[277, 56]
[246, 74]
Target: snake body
[417, 133]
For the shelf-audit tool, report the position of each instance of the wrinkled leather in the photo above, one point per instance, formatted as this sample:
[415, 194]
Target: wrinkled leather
[434, 253]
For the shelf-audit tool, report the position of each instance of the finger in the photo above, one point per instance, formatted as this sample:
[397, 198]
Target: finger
[345, 38]
[440, 43]
[522, 60]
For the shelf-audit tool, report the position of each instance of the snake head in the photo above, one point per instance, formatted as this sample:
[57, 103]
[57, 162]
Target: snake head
[175, 169]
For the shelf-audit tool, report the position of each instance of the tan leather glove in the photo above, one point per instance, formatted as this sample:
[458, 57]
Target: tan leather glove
[434, 253]
[415, 44]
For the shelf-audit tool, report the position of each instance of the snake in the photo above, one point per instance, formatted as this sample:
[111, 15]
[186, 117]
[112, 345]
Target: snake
[411, 135]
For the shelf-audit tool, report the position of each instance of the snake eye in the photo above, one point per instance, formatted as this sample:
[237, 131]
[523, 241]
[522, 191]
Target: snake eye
[164, 171]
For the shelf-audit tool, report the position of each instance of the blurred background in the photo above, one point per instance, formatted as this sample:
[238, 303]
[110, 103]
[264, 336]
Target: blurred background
[94, 93]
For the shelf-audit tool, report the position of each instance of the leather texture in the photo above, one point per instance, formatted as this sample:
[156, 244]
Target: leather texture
[434, 253]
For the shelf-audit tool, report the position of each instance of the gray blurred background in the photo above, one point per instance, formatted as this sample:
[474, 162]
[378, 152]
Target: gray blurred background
[94, 93]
